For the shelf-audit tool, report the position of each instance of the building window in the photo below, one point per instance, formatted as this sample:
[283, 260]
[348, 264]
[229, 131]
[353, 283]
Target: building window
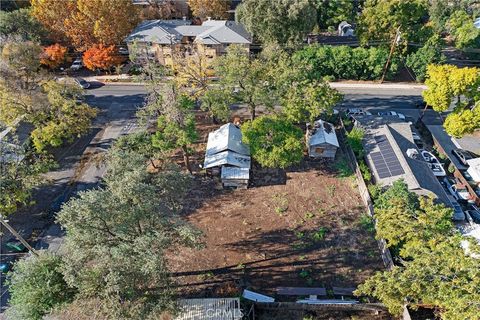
[319, 150]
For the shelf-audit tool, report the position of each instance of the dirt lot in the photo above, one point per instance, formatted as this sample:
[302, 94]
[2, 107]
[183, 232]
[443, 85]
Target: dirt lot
[300, 227]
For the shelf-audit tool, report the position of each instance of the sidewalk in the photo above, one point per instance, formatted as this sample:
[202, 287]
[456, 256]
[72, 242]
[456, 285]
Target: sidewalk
[125, 79]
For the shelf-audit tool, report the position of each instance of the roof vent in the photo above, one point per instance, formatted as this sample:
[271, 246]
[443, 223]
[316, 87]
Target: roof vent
[412, 153]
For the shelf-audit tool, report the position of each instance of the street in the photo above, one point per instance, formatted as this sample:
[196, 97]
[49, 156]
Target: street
[78, 169]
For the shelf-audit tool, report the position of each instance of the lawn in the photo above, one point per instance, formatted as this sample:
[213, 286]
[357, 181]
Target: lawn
[301, 227]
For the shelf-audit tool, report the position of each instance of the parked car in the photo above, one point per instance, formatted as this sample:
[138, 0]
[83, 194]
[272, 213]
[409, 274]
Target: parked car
[15, 246]
[77, 64]
[458, 214]
[357, 112]
[123, 51]
[474, 214]
[458, 192]
[463, 155]
[392, 113]
[5, 267]
[84, 84]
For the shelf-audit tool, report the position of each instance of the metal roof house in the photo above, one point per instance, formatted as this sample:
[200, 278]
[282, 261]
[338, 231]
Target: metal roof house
[321, 140]
[391, 155]
[228, 156]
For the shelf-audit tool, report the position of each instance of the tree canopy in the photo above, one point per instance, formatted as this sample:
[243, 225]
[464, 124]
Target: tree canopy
[285, 22]
[100, 57]
[117, 236]
[433, 268]
[53, 55]
[380, 20]
[87, 22]
[447, 85]
[36, 287]
[20, 25]
[274, 141]
[215, 9]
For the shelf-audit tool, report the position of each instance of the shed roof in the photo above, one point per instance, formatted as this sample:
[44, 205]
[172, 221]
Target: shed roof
[227, 137]
[322, 132]
[227, 158]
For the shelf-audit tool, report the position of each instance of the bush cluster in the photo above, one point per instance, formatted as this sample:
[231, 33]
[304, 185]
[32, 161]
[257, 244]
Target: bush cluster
[344, 62]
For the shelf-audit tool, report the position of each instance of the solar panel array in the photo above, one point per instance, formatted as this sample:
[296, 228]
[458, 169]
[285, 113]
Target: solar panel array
[385, 161]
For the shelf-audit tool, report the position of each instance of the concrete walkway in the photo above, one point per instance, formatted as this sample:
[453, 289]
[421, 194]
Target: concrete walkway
[126, 79]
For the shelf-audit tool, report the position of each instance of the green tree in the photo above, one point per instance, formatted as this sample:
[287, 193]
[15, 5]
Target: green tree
[355, 141]
[37, 286]
[430, 53]
[19, 175]
[434, 268]
[217, 101]
[23, 63]
[440, 12]
[381, 19]
[20, 25]
[274, 141]
[449, 85]
[176, 124]
[306, 101]
[331, 12]
[465, 34]
[246, 77]
[63, 119]
[440, 275]
[285, 22]
[117, 236]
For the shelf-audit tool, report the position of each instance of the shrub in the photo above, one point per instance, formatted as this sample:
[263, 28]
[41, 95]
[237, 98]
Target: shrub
[343, 62]
[354, 140]
[366, 174]
[375, 191]
[430, 53]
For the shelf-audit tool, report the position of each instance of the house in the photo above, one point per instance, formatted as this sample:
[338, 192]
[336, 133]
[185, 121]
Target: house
[162, 39]
[227, 156]
[391, 154]
[321, 140]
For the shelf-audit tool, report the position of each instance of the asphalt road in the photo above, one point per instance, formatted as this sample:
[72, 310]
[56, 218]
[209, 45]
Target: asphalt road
[78, 169]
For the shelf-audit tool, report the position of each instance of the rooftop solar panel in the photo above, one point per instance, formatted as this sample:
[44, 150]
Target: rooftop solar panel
[386, 161]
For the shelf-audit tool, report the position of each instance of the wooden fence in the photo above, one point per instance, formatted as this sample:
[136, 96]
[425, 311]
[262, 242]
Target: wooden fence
[367, 200]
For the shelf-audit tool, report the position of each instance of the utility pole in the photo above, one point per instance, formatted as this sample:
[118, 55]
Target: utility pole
[18, 236]
[392, 49]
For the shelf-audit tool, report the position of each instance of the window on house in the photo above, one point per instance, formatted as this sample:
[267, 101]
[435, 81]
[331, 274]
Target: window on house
[319, 150]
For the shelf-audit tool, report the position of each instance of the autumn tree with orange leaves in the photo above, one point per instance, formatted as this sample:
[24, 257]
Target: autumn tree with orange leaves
[216, 9]
[87, 22]
[100, 57]
[53, 56]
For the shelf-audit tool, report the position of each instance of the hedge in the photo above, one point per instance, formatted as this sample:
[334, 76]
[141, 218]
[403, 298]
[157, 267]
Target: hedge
[344, 62]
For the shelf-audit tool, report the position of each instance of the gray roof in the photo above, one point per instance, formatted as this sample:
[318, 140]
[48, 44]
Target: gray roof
[227, 137]
[227, 158]
[418, 176]
[172, 31]
[225, 147]
[323, 132]
[446, 142]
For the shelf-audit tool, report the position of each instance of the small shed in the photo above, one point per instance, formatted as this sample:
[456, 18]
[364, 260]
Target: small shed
[322, 140]
[228, 157]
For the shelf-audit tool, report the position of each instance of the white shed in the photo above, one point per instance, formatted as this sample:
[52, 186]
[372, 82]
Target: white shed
[322, 140]
[227, 156]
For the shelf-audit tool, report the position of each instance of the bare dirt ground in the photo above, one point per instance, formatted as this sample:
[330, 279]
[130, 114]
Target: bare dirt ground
[300, 227]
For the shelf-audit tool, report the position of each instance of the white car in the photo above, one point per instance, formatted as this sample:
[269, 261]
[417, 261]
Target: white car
[392, 113]
[357, 112]
[77, 65]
